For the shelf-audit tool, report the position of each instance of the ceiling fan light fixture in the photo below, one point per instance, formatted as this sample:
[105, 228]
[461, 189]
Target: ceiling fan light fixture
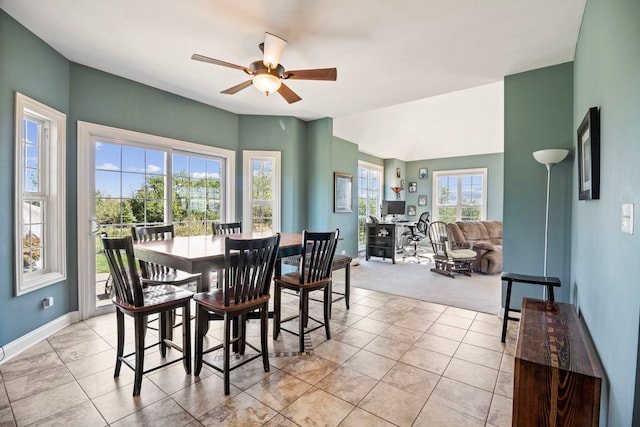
[272, 50]
[266, 83]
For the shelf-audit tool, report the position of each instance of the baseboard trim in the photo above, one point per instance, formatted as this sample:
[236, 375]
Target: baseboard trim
[21, 344]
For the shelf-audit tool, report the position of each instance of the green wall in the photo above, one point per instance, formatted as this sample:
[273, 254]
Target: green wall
[495, 180]
[604, 261]
[538, 109]
[41, 74]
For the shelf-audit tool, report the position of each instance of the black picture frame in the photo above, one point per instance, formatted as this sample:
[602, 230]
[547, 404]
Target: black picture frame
[413, 187]
[411, 210]
[342, 192]
[589, 156]
[422, 200]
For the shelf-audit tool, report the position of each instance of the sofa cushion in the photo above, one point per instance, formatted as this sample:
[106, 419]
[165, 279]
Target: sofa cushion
[472, 230]
[494, 231]
[456, 234]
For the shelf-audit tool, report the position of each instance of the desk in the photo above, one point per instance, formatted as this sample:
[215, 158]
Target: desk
[202, 254]
[384, 239]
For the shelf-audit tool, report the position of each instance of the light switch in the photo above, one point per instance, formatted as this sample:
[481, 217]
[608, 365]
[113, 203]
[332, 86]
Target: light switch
[627, 218]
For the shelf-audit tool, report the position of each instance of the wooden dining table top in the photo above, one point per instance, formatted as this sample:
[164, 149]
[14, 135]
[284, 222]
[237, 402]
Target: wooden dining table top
[202, 254]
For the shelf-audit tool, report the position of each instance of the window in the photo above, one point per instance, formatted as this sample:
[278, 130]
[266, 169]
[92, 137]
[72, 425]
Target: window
[460, 195]
[369, 197]
[261, 192]
[40, 195]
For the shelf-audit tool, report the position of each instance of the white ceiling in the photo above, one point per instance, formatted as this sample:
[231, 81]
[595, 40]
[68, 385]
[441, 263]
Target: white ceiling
[395, 60]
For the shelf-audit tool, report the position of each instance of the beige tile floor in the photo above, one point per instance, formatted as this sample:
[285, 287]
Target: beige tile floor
[391, 361]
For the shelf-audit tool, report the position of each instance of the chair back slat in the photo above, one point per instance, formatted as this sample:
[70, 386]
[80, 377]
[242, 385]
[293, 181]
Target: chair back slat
[423, 223]
[226, 228]
[439, 238]
[122, 265]
[146, 233]
[249, 265]
[318, 251]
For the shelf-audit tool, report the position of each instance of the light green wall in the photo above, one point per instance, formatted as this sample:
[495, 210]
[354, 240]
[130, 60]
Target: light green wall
[43, 75]
[345, 160]
[538, 109]
[391, 179]
[495, 180]
[604, 262]
[370, 159]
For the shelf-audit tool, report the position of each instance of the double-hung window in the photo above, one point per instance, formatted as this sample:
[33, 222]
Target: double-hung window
[40, 195]
[460, 195]
[370, 179]
[261, 190]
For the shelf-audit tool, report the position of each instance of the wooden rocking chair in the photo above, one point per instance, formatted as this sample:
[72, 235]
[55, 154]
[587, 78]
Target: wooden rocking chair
[448, 260]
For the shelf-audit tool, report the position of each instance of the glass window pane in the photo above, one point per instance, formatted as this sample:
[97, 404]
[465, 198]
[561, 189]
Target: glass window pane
[108, 156]
[108, 183]
[133, 159]
[155, 162]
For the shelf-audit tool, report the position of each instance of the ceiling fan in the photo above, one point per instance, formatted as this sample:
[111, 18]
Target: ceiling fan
[268, 73]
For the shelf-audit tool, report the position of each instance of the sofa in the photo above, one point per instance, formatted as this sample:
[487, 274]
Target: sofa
[484, 237]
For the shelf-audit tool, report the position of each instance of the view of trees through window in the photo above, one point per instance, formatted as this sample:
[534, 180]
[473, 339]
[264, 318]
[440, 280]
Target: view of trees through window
[131, 189]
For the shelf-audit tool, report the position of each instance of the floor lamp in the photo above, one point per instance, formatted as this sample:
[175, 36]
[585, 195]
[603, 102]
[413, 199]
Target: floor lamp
[548, 158]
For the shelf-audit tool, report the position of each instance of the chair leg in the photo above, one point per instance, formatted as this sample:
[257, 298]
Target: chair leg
[120, 345]
[327, 310]
[347, 284]
[264, 325]
[226, 349]
[163, 325]
[186, 337]
[139, 325]
[202, 318]
[242, 327]
[277, 290]
[302, 316]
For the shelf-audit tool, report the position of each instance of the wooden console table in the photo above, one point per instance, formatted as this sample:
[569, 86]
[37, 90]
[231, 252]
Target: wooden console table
[557, 375]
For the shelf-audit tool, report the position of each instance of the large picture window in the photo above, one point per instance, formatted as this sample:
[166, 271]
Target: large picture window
[460, 195]
[40, 195]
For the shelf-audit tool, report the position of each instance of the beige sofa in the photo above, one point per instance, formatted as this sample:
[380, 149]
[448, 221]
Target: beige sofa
[484, 237]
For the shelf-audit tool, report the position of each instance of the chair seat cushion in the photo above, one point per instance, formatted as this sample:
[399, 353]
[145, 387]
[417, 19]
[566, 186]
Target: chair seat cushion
[155, 296]
[292, 281]
[462, 254]
[214, 301]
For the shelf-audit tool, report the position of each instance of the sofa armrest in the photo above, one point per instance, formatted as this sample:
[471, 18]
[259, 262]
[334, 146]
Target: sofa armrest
[487, 246]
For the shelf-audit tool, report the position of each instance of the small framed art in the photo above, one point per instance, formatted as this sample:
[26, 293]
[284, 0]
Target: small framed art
[413, 187]
[411, 210]
[422, 200]
[422, 173]
[342, 192]
[589, 156]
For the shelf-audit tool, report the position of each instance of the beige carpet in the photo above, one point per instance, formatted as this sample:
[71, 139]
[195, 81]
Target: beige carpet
[479, 292]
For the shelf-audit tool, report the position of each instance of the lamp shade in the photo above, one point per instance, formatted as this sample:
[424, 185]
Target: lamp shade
[273, 48]
[550, 157]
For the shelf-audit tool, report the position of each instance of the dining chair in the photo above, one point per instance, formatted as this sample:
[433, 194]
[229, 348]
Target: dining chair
[448, 260]
[132, 299]
[313, 273]
[157, 274]
[248, 272]
[226, 228]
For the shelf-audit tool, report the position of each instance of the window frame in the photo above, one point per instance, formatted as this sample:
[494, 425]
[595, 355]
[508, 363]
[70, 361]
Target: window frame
[52, 192]
[247, 217]
[459, 173]
[380, 170]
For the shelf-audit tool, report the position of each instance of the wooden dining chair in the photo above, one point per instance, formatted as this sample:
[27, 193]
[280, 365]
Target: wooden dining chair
[157, 274]
[226, 228]
[132, 299]
[248, 272]
[314, 273]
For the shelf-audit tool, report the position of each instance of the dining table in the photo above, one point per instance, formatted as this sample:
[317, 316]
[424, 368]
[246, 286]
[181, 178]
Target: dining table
[205, 253]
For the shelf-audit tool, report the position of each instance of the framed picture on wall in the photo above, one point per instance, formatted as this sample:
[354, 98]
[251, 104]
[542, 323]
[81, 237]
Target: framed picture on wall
[413, 187]
[342, 192]
[422, 173]
[589, 156]
[411, 210]
[422, 200]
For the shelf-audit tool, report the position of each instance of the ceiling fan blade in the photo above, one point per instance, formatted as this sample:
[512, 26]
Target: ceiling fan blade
[315, 74]
[272, 50]
[288, 95]
[237, 88]
[203, 58]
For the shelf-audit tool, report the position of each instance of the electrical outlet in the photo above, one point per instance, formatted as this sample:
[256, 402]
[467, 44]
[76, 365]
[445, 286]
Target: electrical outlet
[47, 302]
[344, 252]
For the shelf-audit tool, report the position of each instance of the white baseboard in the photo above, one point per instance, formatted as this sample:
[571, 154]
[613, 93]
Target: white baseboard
[16, 347]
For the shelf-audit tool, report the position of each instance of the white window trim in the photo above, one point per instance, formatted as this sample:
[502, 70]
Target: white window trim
[476, 171]
[54, 160]
[380, 169]
[87, 133]
[247, 157]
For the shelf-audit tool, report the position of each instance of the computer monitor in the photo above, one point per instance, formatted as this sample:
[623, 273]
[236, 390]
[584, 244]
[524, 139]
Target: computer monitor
[393, 207]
